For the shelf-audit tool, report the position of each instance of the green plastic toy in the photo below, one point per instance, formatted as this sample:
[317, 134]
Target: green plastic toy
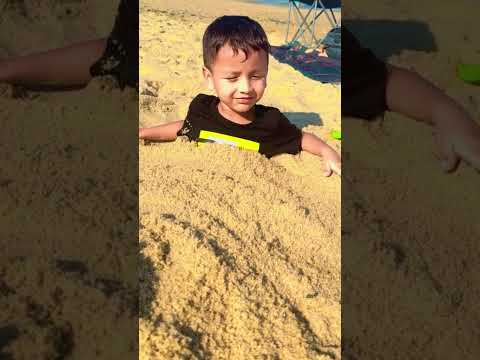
[336, 134]
[469, 73]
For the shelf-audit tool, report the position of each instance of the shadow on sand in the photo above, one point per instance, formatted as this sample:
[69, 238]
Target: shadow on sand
[312, 65]
[303, 119]
[386, 37]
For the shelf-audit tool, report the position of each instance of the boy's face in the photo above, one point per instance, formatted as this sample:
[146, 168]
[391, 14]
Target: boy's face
[238, 82]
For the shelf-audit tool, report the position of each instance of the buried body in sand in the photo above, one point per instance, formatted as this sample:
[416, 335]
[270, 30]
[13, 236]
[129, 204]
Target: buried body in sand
[240, 256]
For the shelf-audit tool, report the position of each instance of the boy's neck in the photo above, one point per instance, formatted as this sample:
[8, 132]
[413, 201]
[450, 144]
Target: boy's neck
[238, 118]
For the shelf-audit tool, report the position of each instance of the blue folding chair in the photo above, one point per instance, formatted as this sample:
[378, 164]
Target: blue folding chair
[316, 8]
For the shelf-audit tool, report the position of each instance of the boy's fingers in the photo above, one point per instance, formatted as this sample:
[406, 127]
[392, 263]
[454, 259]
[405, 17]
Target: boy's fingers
[335, 167]
[338, 169]
[331, 168]
[328, 170]
[449, 164]
[447, 156]
[471, 154]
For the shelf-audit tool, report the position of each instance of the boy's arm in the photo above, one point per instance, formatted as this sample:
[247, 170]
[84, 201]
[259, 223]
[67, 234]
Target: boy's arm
[411, 95]
[65, 66]
[165, 132]
[457, 134]
[314, 145]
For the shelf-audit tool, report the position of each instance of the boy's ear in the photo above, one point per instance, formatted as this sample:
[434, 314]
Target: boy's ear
[207, 75]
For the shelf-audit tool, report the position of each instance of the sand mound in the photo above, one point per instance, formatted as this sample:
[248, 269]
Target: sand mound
[240, 257]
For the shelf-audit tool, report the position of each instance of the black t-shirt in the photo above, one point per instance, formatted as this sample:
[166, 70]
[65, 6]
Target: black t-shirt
[364, 79]
[271, 133]
[120, 58]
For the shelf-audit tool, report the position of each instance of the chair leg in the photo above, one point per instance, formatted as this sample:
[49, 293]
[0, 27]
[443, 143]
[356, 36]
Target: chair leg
[334, 18]
[310, 24]
[298, 21]
[288, 22]
[314, 23]
[333, 23]
[298, 33]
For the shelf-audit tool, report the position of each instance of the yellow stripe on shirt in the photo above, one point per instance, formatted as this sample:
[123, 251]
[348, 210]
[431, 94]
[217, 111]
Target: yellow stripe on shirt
[229, 140]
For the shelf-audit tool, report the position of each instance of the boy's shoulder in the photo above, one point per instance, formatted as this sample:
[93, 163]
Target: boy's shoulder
[268, 110]
[202, 106]
[203, 100]
[270, 115]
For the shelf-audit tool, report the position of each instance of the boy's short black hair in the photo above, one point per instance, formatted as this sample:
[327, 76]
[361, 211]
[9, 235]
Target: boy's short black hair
[240, 32]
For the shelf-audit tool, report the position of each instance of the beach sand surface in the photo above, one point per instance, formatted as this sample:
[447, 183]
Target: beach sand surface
[68, 283]
[409, 267]
[240, 254]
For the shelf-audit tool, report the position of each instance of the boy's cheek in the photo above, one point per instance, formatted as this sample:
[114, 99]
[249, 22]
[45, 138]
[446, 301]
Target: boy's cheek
[210, 84]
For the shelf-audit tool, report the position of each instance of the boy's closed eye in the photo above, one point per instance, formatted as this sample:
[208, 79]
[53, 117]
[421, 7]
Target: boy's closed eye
[255, 77]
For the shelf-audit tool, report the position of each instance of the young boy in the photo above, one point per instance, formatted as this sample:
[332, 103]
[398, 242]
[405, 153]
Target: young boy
[371, 87]
[235, 55]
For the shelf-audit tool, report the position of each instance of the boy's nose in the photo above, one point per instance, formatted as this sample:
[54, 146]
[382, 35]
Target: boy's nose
[244, 85]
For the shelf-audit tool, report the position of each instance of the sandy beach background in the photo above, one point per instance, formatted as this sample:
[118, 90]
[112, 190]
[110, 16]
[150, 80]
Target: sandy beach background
[424, 219]
[67, 278]
[240, 255]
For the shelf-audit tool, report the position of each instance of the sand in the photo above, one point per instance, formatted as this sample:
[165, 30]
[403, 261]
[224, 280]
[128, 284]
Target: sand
[240, 254]
[68, 286]
[420, 235]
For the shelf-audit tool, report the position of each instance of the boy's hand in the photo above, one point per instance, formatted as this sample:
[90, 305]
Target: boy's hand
[333, 163]
[315, 146]
[457, 136]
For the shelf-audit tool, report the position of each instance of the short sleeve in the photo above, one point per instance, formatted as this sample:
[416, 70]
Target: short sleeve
[287, 139]
[364, 80]
[120, 58]
[197, 110]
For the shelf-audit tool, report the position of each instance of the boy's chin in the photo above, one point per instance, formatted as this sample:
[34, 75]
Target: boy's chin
[243, 108]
